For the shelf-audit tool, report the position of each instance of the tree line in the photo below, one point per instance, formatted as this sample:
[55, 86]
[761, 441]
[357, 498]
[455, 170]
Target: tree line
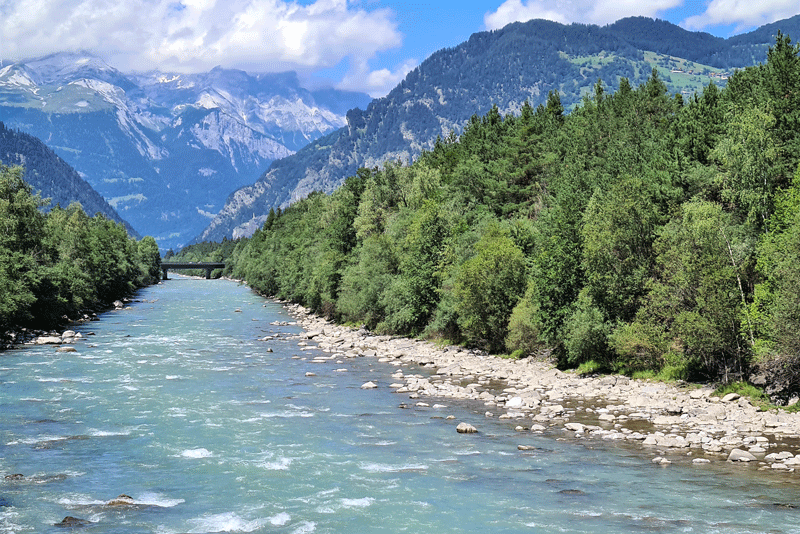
[641, 233]
[55, 265]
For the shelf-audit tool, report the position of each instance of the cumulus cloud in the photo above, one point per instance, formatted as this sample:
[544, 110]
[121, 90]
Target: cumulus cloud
[743, 13]
[567, 11]
[197, 35]
[375, 83]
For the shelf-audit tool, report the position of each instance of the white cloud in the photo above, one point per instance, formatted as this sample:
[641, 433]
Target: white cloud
[744, 13]
[567, 11]
[197, 35]
[375, 83]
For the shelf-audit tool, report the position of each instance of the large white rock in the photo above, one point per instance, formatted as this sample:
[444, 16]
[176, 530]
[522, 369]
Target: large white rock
[48, 340]
[514, 402]
[575, 427]
[466, 428]
[369, 385]
[738, 455]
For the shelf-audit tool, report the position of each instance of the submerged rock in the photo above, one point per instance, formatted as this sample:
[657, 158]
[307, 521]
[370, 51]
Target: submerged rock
[121, 500]
[69, 522]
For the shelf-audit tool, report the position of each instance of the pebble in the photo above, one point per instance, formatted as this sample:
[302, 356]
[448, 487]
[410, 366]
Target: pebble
[667, 416]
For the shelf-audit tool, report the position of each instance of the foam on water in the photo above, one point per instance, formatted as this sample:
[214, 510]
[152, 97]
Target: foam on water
[226, 522]
[157, 499]
[196, 453]
[279, 520]
[209, 433]
[307, 527]
[387, 468]
[282, 464]
[358, 503]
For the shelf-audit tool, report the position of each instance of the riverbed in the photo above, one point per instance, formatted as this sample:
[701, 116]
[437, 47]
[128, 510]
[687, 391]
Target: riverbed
[179, 403]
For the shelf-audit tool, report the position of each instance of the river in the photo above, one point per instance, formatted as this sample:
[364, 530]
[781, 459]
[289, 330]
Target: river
[176, 403]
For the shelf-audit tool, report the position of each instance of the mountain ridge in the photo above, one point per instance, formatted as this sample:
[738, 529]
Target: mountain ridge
[505, 67]
[165, 149]
[52, 177]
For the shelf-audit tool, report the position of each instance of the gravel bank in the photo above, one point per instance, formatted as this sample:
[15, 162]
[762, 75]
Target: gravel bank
[675, 423]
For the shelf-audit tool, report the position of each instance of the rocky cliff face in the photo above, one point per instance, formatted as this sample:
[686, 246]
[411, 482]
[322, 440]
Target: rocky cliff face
[164, 149]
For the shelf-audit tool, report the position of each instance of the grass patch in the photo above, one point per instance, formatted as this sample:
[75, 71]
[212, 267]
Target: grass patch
[590, 368]
[756, 396]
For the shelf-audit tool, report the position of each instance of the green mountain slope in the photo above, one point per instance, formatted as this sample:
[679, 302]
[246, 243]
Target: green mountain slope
[51, 176]
[518, 63]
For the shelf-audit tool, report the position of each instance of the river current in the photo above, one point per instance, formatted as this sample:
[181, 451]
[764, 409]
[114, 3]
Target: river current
[176, 403]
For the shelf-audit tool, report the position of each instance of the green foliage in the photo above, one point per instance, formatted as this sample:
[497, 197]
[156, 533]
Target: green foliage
[52, 266]
[694, 298]
[586, 332]
[756, 396]
[648, 236]
[488, 287]
[524, 330]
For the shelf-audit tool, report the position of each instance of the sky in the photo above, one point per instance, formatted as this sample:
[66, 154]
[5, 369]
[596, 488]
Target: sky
[360, 45]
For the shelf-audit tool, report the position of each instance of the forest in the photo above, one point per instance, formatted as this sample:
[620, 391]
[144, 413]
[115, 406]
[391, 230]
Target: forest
[642, 233]
[57, 264]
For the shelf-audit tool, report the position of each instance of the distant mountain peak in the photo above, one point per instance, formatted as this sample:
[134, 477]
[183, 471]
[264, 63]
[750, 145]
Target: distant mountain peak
[164, 149]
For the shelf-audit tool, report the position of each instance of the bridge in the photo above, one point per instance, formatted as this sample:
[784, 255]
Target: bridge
[207, 266]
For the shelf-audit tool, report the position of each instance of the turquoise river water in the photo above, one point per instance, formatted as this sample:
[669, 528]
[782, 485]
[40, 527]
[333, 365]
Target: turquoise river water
[176, 403]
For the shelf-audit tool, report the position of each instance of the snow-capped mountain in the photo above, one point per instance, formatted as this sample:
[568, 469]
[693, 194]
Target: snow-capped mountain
[165, 149]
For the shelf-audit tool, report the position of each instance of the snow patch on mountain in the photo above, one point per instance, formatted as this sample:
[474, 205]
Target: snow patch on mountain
[218, 132]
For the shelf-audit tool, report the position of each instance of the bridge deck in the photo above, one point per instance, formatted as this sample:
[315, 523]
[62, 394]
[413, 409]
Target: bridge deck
[206, 266]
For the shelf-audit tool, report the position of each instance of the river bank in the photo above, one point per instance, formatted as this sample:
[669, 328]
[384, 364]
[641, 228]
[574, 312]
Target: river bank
[675, 423]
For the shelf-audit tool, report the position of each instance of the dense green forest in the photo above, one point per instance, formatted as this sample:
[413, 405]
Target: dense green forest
[640, 233]
[54, 265]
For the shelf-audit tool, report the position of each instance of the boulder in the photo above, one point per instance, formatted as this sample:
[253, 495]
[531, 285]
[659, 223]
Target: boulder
[730, 397]
[48, 340]
[70, 522]
[121, 500]
[369, 385]
[738, 455]
[575, 427]
[466, 428]
[778, 456]
[514, 402]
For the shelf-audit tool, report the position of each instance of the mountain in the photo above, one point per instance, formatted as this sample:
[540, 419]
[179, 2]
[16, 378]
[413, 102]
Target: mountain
[165, 149]
[51, 176]
[506, 67]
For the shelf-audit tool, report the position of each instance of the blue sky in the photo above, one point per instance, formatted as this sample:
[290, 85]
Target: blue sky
[362, 45]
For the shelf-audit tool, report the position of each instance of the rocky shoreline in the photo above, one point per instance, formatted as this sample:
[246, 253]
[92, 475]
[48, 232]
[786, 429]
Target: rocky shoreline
[26, 336]
[674, 422]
